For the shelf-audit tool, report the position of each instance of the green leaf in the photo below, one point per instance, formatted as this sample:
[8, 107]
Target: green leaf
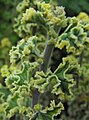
[43, 116]
[64, 73]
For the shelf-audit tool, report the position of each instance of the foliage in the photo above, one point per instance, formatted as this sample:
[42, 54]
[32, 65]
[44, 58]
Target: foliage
[78, 105]
[7, 36]
[5, 46]
[7, 13]
[33, 89]
[74, 7]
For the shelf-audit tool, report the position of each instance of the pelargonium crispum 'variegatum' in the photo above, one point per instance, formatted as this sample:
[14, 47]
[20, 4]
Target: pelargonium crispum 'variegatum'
[40, 26]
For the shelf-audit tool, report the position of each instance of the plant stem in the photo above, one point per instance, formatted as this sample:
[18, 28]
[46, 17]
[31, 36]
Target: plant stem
[44, 66]
[81, 58]
[47, 55]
